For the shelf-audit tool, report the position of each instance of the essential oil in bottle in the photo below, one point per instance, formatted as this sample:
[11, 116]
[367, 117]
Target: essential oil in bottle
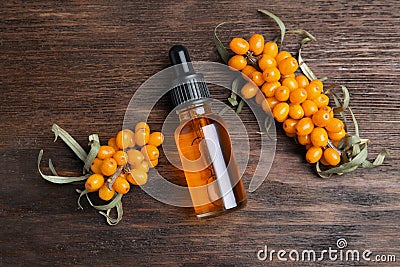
[203, 143]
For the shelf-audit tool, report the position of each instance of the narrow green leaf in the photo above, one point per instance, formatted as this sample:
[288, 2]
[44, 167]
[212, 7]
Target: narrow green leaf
[222, 51]
[338, 108]
[232, 101]
[81, 194]
[58, 179]
[378, 160]
[304, 41]
[346, 97]
[278, 21]
[71, 143]
[320, 172]
[356, 131]
[120, 212]
[52, 169]
[235, 88]
[268, 123]
[94, 149]
[240, 106]
[222, 112]
[107, 206]
[303, 32]
[303, 66]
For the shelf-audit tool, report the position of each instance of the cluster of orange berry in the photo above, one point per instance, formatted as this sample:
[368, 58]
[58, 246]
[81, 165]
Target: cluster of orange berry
[295, 101]
[125, 160]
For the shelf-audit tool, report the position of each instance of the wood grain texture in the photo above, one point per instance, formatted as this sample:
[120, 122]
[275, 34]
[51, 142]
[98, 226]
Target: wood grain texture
[77, 64]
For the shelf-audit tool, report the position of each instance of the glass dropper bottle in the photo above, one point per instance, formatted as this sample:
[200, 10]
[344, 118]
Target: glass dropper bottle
[203, 143]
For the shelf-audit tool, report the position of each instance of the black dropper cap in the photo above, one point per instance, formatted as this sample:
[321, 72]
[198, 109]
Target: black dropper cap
[188, 87]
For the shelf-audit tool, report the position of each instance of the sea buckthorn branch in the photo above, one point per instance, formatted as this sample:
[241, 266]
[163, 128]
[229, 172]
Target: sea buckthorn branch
[299, 102]
[111, 180]
[110, 169]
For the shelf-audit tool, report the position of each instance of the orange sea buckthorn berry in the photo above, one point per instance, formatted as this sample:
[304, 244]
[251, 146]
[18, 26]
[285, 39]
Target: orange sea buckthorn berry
[304, 139]
[257, 78]
[153, 163]
[290, 83]
[105, 152]
[335, 143]
[288, 76]
[321, 100]
[94, 182]
[331, 156]
[269, 88]
[150, 152]
[266, 61]
[309, 108]
[239, 46]
[288, 66]
[321, 118]
[319, 137]
[256, 44]
[105, 193]
[96, 165]
[137, 177]
[259, 97]
[323, 161]
[290, 134]
[337, 136]
[295, 111]
[112, 143]
[135, 157]
[125, 139]
[121, 185]
[142, 125]
[156, 139]
[249, 90]
[271, 48]
[121, 157]
[109, 166]
[282, 55]
[334, 125]
[142, 137]
[298, 96]
[318, 84]
[268, 104]
[271, 75]
[289, 126]
[282, 93]
[304, 126]
[237, 62]
[329, 110]
[144, 166]
[281, 111]
[248, 70]
[302, 81]
[313, 90]
[313, 154]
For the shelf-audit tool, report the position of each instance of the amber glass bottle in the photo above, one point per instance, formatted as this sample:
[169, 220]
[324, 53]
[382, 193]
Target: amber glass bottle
[203, 143]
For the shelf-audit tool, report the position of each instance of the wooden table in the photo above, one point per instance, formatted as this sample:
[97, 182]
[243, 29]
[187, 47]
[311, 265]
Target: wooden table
[77, 64]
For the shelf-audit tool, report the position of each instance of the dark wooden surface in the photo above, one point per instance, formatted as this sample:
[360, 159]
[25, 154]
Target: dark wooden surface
[77, 63]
